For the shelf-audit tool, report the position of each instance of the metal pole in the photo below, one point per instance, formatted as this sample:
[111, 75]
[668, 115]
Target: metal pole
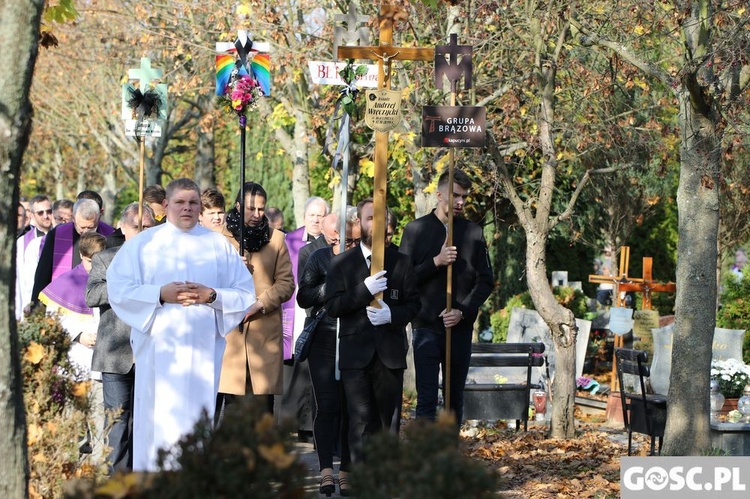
[242, 186]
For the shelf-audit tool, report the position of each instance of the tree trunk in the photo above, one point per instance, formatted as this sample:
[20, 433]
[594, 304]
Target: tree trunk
[423, 202]
[205, 156]
[563, 327]
[19, 37]
[687, 432]
[300, 169]
[109, 192]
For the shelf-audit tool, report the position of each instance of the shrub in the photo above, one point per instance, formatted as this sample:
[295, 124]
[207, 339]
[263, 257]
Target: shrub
[426, 464]
[246, 456]
[56, 407]
[573, 299]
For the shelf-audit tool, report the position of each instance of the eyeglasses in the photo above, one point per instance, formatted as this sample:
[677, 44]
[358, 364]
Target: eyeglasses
[349, 241]
[42, 212]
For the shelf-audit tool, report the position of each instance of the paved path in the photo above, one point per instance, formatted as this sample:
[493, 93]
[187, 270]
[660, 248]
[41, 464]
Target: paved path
[307, 454]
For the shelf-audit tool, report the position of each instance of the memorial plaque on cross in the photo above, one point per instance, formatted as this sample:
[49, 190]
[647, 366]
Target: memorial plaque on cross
[385, 53]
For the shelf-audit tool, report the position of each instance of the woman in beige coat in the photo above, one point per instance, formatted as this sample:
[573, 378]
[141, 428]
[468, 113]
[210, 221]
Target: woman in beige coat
[253, 358]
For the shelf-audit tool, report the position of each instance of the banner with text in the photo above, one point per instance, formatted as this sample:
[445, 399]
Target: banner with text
[327, 73]
[453, 126]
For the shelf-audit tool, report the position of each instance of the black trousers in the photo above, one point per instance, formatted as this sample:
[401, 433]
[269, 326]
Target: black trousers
[429, 360]
[373, 398]
[331, 420]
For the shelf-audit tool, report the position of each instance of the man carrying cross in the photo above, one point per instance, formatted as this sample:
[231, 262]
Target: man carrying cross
[424, 241]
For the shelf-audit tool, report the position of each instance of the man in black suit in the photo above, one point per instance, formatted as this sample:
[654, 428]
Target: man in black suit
[372, 348]
[113, 356]
[424, 241]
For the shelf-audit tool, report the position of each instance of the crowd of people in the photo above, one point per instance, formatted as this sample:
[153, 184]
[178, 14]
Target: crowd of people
[189, 306]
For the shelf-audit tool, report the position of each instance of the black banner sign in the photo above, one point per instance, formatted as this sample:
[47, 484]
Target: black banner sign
[453, 126]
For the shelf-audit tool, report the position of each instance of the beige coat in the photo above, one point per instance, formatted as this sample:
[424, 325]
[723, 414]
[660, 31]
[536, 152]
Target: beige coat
[257, 344]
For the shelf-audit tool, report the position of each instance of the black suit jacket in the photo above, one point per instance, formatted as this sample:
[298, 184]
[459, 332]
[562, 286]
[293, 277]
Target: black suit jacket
[473, 280]
[347, 298]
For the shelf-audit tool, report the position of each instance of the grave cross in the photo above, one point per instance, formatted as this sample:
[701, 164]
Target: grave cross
[145, 74]
[385, 53]
[453, 69]
[356, 32]
[645, 285]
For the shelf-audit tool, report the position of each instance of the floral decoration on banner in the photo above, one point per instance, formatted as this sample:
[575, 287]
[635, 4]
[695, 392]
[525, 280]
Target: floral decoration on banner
[348, 94]
[732, 376]
[241, 93]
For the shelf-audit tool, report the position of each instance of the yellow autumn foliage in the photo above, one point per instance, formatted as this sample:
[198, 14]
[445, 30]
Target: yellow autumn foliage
[34, 353]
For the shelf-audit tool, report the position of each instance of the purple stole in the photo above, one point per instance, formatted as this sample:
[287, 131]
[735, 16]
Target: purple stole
[69, 290]
[28, 237]
[62, 252]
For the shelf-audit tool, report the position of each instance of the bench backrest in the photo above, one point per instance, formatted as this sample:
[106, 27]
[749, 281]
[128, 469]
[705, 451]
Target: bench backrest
[507, 354]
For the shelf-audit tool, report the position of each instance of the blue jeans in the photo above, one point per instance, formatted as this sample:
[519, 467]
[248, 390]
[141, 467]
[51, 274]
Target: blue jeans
[429, 359]
[118, 396]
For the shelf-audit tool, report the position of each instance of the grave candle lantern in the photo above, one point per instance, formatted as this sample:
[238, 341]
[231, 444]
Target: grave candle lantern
[717, 400]
[743, 404]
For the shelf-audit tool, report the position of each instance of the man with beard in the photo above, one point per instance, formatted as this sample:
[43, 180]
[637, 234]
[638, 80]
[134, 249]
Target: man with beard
[372, 348]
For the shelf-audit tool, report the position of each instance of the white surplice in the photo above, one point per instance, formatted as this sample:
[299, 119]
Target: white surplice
[178, 350]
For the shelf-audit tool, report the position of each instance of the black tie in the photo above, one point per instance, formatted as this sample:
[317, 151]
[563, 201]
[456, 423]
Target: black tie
[369, 261]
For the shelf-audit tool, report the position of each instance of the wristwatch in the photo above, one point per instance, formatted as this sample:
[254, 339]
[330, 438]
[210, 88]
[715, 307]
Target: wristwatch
[211, 297]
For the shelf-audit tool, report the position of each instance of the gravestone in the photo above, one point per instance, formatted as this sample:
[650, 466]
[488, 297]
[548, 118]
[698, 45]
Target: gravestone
[559, 278]
[527, 326]
[661, 361]
[643, 322]
[727, 344]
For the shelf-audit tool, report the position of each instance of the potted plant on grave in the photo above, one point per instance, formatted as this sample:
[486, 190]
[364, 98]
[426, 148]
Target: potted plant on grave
[732, 375]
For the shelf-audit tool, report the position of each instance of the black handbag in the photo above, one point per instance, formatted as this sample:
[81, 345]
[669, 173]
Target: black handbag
[302, 345]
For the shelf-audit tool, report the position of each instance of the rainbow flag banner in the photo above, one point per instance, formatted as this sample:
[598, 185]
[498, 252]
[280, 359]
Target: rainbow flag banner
[260, 66]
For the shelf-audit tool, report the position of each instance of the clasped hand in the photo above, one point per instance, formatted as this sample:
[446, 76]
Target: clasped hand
[379, 316]
[186, 293]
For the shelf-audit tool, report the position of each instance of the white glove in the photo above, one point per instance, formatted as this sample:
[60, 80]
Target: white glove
[379, 316]
[376, 283]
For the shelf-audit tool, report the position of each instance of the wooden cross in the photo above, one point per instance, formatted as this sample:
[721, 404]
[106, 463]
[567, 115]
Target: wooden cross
[645, 285]
[385, 53]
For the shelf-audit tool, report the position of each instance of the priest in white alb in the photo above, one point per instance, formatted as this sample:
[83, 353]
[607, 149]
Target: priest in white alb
[182, 288]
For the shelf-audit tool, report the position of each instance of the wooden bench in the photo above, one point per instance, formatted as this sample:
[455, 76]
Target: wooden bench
[493, 401]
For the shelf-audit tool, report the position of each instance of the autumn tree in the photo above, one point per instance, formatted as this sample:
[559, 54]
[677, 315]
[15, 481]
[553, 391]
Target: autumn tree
[19, 36]
[709, 80]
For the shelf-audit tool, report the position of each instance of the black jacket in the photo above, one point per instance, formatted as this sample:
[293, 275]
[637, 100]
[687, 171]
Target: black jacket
[347, 297]
[472, 274]
[312, 289]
